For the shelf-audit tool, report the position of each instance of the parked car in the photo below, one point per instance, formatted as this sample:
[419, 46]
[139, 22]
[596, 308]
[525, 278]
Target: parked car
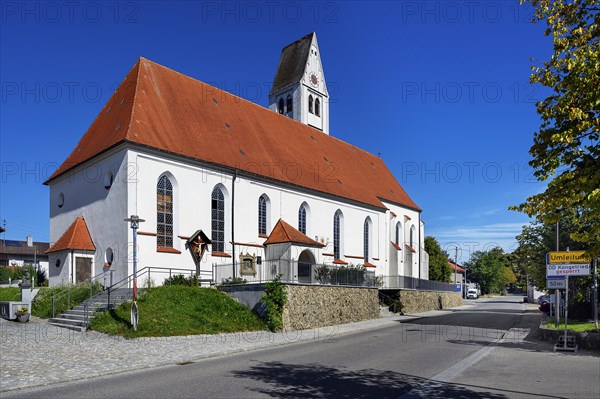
[545, 307]
[472, 293]
[543, 298]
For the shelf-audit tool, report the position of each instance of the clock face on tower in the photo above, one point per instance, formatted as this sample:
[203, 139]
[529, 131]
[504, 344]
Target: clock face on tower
[313, 79]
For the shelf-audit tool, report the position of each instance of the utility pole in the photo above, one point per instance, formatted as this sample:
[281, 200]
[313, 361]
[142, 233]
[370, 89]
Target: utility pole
[455, 264]
[596, 293]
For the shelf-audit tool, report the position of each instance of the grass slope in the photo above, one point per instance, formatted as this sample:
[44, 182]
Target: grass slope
[10, 294]
[576, 326]
[179, 310]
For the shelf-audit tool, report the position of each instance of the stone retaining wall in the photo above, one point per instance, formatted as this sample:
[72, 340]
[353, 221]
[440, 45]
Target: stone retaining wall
[311, 306]
[423, 301]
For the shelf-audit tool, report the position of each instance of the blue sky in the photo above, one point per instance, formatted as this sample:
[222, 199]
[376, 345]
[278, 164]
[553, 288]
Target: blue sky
[440, 89]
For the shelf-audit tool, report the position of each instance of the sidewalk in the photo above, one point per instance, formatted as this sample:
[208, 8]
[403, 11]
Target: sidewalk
[36, 353]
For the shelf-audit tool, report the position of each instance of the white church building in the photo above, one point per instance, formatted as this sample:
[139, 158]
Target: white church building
[264, 184]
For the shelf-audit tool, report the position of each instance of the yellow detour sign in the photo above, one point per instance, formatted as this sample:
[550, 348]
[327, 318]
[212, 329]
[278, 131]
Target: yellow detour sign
[563, 263]
[567, 257]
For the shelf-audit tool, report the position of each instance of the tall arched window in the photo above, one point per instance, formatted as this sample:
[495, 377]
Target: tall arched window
[411, 237]
[164, 213]
[398, 233]
[310, 103]
[302, 219]
[262, 215]
[337, 233]
[289, 104]
[317, 107]
[280, 106]
[218, 220]
[366, 243]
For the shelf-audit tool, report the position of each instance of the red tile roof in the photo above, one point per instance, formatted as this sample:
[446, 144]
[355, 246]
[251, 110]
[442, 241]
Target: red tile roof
[283, 232]
[456, 267]
[77, 236]
[156, 107]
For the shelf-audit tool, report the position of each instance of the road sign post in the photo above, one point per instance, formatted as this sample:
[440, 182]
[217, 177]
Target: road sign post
[565, 264]
[596, 293]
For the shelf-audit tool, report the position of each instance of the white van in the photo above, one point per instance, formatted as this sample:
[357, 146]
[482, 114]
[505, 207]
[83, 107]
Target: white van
[472, 293]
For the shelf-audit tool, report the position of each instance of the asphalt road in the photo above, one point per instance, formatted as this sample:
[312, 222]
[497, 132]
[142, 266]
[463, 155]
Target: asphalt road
[485, 351]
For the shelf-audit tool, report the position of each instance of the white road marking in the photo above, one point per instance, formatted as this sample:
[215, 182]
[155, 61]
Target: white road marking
[437, 381]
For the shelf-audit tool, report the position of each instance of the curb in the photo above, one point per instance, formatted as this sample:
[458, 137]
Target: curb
[584, 340]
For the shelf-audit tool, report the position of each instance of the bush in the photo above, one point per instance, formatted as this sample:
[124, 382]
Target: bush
[180, 279]
[15, 273]
[275, 299]
[323, 274]
[348, 275]
[233, 281]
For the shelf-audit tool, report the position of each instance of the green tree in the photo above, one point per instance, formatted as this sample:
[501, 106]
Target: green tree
[539, 238]
[566, 148]
[439, 269]
[488, 269]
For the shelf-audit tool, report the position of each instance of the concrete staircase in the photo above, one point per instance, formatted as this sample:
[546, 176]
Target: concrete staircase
[79, 317]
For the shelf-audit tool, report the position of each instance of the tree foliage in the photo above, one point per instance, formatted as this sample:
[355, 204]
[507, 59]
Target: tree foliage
[566, 148]
[488, 269]
[539, 238]
[439, 269]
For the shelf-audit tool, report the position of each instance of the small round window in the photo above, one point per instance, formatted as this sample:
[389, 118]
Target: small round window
[57, 263]
[61, 200]
[109, 178]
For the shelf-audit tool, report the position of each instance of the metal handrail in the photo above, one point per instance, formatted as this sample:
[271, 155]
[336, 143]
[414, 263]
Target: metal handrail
[68, 291]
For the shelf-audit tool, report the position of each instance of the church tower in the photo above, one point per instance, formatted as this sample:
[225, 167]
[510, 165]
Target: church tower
[299, 90]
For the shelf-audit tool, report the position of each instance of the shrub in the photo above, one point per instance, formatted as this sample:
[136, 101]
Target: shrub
[16, 273]
[180, 279]
[275, 299]
[233, 281]
[323, 274]
[348, 275]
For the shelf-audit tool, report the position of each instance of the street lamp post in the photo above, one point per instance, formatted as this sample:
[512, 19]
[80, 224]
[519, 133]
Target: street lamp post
[465, 283]
[135, 222]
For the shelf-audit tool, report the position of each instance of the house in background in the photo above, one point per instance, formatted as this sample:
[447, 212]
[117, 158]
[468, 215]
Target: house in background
[458, 275]
[19, 253]
[265, 184]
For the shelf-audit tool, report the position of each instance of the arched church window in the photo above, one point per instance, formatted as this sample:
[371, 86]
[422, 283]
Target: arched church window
[310, 103]
[280, 107]
[262, 215]
[289, 104]
[337, 232]
[218, 220]
[317, 107]
[164, 213]
[302, 219]
[366, 243]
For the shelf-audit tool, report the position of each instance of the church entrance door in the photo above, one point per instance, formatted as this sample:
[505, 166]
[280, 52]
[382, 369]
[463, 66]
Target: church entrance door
[83, 269]
[306, 262]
